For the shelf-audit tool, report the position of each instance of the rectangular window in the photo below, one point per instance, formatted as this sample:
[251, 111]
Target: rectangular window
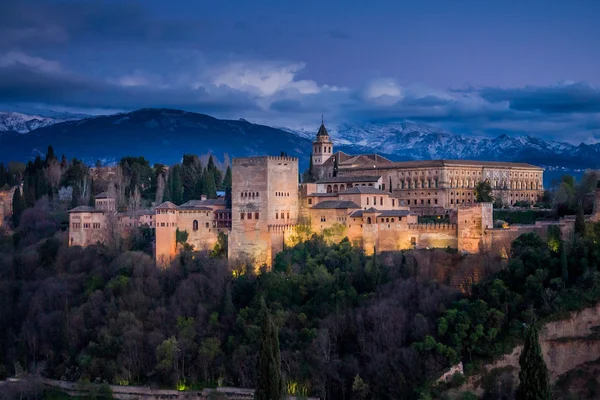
[435, 201]
[393, 202]
[242, 216]
[428, 201]
[309, 201]
[381, 201]
[207, 225]
[255, 215]
[249, 215]
[422, 201]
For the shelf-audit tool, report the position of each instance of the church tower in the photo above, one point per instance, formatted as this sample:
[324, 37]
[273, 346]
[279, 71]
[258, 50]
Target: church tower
[322, 147]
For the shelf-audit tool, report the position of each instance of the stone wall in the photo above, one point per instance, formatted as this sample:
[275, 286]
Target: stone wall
[6, 197]
[147, 393]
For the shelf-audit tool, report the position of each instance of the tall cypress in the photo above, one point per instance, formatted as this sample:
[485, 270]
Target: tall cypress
[176, 185]
[534, 381]
[227, 183]
[269, 384]
[18, 206]
[580, 220]
[209, 188]
[564, 265]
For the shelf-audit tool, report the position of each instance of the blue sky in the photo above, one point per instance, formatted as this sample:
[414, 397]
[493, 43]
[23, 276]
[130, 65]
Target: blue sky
[480, 67]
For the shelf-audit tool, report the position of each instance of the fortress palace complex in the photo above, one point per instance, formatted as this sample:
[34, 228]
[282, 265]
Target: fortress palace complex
[369, 199]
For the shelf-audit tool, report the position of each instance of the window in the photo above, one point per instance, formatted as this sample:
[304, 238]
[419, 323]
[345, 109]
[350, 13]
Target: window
[422, 201]
[309, 201]
[288, 215]
[435, 201]
[242, 215]
[322, 218]
[162, 224]
[393, 202]
[368, 220]
[195, 225]
[207, 225]
[381, 201]
[255, 215]
[249, 215]
[276, 215]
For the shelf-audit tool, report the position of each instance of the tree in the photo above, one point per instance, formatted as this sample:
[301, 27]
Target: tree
[18, 207]
[483, 192]
[360, 389]
[534, 382]
[564, 265]
[579, 220]
[228, 183]
[209, 187]
[176, 185]
[269, 385]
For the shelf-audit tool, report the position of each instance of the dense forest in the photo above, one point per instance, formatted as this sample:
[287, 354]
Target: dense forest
[350, 326]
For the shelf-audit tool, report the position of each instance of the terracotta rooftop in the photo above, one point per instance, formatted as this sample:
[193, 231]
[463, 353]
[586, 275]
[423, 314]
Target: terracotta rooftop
[104, 195]
[202, 204]
[364, 190]
[167, 205]
[336, 204]
[84, 209]
[447, 163]
[350, 179]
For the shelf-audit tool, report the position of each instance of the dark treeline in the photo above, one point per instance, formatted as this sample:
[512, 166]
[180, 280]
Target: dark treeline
[133, 181]
[348, 323]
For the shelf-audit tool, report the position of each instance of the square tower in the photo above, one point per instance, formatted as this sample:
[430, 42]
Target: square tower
[264, 206]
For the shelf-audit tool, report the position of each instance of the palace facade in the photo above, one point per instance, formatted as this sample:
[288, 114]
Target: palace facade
[373, 201]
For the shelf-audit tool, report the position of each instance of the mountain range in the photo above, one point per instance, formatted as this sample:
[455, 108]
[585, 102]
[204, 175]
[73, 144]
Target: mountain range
[164, 135]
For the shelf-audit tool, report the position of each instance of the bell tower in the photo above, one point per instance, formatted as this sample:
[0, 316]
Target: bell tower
[322, 147]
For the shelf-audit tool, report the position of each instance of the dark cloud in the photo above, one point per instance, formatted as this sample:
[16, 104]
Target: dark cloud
[23, 84]
[36, 24]
[567, 98]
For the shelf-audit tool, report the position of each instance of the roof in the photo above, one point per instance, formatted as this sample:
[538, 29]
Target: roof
[395, 213]
[84, 209]
[104, 195]
[336, 204]
[350, 179]
[202, 204]
[447, 163]
[167, 205]
[382, 213]
[364, 190]
[323, 195]
[137, 213]
[322, 131]
[363, 159]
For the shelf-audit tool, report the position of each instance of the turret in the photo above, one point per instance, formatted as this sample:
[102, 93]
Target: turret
[322, 147]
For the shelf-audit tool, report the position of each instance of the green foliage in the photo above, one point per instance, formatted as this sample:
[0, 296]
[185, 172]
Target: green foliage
[220, 248]
[533, 376]
[524, 216]
[483, 192]
[269, 383]
[18, 207]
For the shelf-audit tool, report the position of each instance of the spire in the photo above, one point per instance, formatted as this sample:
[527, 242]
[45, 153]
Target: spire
[322, 131]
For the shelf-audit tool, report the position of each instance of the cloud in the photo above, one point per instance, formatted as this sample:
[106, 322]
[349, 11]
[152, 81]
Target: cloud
[19, 59]
[568, 97]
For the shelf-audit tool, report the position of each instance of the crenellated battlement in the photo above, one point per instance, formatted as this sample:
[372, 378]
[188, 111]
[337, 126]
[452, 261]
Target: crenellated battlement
[433, 226]
[282, 227]
[260, 160]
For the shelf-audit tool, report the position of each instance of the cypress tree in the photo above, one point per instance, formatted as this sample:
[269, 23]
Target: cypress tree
[18, 206]
[176, 185]
[227, 184]
[209, 187]
[269, 385]
[580, 220]
[310, 168]
[534, 382]
[564, 265]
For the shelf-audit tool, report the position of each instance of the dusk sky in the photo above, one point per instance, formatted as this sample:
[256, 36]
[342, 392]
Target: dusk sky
[478, 67]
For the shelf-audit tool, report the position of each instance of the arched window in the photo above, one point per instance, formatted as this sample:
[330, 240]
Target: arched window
[368, 220]
[335, 188]
[195, 225]
[329, 190]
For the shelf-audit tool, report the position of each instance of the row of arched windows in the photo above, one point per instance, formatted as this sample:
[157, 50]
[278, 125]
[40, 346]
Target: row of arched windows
[248, 194]
[282, 194]
[322, 149]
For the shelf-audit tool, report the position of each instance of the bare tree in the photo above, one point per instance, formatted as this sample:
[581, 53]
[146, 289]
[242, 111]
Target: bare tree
[160, 189]
[53, 174]
[135, 201]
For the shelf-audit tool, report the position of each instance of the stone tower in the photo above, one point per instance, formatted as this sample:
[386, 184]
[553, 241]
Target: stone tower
[322, 146]
[166, 233]
[264, 207]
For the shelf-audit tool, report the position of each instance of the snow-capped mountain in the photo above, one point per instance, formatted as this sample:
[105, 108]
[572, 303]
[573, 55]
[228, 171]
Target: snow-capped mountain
[410, 141]
[23, 123]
